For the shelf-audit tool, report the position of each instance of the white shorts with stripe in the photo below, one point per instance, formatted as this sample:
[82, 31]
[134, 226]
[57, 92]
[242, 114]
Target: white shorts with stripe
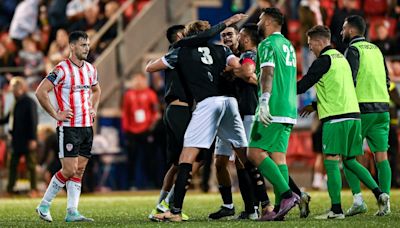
[215, 116]
[225, 149]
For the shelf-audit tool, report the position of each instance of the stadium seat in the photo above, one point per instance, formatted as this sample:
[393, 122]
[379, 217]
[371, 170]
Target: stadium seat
[300, 148]
[375, 7]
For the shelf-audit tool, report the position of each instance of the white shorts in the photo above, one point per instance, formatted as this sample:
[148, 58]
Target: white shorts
[225, 149]
[215, 116]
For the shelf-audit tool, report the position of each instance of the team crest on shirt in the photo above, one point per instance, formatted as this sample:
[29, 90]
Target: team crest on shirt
[69, 146]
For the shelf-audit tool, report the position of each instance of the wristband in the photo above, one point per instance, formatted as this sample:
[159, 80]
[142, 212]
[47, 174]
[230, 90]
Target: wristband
[265, 97]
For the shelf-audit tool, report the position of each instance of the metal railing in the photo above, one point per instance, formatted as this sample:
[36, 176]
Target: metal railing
[125, 53]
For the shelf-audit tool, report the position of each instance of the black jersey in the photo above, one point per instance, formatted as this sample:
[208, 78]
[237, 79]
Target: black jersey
[246, 93]
[199, 68]
[173, 87]
[227, 83]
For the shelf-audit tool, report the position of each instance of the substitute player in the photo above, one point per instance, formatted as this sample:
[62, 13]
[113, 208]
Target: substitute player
[339, 112]
[76, 87]
[372, 82]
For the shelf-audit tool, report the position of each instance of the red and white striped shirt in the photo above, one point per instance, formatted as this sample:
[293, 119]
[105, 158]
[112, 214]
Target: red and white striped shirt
[73, 87]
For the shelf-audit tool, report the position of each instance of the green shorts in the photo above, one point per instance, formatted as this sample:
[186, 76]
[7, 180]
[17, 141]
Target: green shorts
[342, 137]
[375, 128]
[274, 138]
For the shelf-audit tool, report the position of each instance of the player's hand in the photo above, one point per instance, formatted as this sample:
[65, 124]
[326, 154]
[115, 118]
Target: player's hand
[306, 111]
[64, 115]
[235, 19]
[265, 115]
[93, 113]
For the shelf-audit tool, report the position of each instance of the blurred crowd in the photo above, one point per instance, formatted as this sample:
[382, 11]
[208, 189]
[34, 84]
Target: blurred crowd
[34, 33]
[34, 37]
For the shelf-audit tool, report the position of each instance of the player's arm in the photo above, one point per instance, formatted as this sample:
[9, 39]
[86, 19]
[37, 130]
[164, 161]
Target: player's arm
[317, 69]
[169, 60]
[205, 36]
[353, 57]
[96, 92]
[387, 74]
[246, 71]
[42, 94]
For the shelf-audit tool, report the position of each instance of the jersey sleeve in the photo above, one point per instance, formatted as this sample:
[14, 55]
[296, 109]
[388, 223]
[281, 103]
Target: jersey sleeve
[95, 77]
[171, 58]
[266, 53]
[248, 57]
[56, 75]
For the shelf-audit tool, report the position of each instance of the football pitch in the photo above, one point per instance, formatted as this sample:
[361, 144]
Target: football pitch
[131, 210]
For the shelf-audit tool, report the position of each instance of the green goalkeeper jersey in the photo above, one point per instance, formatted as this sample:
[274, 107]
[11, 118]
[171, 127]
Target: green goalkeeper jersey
[277, 51]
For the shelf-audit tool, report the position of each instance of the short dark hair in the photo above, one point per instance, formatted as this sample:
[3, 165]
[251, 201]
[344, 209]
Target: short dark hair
[76, 35]
[319, 31]
[275, 14]
[172, 32]
[358, 23]
[234, 26]
[251, 29]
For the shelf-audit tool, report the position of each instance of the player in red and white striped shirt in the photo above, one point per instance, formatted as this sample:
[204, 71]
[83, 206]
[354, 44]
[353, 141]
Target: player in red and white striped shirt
[77, 90]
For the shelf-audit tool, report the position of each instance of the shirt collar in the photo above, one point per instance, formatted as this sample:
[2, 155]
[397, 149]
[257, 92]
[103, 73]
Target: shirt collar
[356, 39]
[326, 49]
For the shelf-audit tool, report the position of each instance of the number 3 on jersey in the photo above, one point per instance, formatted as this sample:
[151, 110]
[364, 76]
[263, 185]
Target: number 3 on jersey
[290, 55]
[206, 58]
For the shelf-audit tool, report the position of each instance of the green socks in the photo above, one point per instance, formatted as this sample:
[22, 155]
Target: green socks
[352, 180]
[285, 173]
[270, 170]
[384, 176]
[361, 172]
[334, 180]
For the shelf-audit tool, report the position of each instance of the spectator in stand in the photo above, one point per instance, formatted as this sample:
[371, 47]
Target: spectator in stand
[24, 21]
[89, 23]
[349, 8]
[22, 121]
[386, 44]
[262, 4]
[109, 10]
[310, 14]
[140, 114]
[32, 60]
[57, 16]
[7, 9]
[59, 50]
[6, 60]
[76, 8]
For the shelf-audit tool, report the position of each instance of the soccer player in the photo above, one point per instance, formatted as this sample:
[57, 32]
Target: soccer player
[372, 82]
[340, 115]
[213, 115]
[76, 87]
[276, 112]
[244, 89]
[176, 118]
[178, 111]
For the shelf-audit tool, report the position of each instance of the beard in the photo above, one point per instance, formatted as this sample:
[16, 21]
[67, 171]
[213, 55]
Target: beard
[241, 47]
[346, 39]
[82, 56]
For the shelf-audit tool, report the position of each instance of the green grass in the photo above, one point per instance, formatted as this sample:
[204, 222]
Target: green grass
[132, 209]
